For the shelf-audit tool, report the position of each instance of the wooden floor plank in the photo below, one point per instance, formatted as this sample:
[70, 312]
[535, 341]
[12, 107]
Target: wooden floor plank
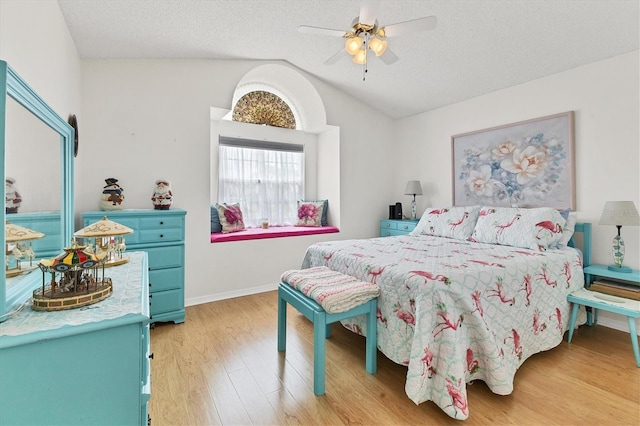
[222, 367]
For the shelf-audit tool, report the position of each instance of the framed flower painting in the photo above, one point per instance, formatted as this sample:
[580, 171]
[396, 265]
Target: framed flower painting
[524, 164]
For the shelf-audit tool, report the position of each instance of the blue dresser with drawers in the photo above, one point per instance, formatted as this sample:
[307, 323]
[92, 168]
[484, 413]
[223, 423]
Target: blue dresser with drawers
[88, 366]
[391, 227]
[161, 234]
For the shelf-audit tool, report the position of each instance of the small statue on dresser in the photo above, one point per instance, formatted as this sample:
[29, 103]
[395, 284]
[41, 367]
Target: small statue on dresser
[12, 197]
[162, 196]
[112, 197]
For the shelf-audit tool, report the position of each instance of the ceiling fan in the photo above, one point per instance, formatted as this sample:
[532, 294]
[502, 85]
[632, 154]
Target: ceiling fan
[365, 34]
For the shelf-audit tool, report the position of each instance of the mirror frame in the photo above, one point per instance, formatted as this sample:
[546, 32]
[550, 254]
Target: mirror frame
[15, 87]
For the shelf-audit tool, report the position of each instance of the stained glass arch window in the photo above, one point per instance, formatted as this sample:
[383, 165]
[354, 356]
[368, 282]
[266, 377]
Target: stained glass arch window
[262, 107]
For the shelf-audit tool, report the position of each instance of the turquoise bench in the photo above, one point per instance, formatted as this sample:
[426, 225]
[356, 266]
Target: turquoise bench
[322, 329]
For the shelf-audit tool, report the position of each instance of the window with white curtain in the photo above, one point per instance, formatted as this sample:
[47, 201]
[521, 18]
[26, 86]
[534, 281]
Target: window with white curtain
[265, 178]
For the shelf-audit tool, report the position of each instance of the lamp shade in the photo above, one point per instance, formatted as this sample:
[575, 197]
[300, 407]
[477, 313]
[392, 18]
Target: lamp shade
[413, 188]
[360, 57]
[353, 44]
[378, 46]
[620, 213]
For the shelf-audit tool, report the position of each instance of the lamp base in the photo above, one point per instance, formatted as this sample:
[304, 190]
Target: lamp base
[619, 268]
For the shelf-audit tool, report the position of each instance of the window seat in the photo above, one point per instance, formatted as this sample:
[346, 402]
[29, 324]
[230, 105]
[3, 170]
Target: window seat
[272, 232]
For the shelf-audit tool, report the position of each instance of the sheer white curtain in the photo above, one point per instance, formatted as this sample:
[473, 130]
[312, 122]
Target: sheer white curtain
[267, 182]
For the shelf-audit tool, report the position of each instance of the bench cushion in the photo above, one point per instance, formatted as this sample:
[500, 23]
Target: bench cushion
[334, 291]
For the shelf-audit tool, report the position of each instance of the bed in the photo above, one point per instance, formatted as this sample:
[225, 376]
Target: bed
[466, 296]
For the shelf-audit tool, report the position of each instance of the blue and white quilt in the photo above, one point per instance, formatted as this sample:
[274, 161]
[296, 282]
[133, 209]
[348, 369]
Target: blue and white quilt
[456, 311]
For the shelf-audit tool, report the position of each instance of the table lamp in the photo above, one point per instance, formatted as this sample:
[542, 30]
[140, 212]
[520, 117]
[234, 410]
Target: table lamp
[619, 213]
[413, 188]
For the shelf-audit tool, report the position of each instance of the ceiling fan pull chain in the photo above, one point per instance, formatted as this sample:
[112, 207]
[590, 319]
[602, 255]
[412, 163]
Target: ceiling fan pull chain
[364, 65]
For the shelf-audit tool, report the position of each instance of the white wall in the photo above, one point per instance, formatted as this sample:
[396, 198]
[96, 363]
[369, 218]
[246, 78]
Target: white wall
[605, 98]
[147, 119]
[35, 42]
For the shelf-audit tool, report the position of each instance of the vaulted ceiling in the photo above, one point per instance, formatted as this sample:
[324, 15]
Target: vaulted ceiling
[477, 47]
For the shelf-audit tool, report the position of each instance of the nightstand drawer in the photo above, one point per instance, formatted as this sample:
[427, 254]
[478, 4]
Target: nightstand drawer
[406, 227]
[389, 224]
[165, 279]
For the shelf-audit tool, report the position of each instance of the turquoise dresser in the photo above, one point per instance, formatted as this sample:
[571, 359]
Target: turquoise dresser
[46, 222]
[87, 366]
[161, 234]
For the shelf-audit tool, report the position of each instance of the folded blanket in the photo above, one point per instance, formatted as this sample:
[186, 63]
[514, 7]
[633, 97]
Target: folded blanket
[334, 291]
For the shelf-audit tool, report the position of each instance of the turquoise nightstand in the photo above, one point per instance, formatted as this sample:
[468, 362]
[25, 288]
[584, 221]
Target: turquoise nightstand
[617, 305]
[392, 227]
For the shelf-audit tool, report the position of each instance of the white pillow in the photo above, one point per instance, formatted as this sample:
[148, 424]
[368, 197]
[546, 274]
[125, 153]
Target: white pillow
[535, 229]
[448, 222]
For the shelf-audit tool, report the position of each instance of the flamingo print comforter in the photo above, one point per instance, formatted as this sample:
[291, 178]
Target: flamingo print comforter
[455, 311]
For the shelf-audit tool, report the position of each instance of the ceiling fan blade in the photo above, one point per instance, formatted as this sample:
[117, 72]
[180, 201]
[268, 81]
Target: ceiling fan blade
[336, 57]
[320, 31]
[420, 24]
[369, 12]
[388, 57]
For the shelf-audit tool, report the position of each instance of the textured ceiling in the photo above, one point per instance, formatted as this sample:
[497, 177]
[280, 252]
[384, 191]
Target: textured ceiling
[477, 47]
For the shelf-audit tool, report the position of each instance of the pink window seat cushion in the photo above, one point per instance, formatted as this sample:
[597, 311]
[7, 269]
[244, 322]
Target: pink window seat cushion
[272, 232]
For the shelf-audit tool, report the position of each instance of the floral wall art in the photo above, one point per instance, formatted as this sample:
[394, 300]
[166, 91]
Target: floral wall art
[524, 164]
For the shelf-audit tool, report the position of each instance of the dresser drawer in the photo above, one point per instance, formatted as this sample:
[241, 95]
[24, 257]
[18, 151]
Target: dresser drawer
[165, 257]
[165, 279]
[159, 235]
[166, 301]
[160, 222]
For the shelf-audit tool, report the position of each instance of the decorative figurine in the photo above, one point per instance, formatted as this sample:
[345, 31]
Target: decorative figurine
[12, 198]
[112, 196]
[162, 197]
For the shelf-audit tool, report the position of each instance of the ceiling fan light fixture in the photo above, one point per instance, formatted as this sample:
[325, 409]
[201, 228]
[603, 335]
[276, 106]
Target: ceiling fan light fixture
[353, 44]
[360, 57]
[378, 46]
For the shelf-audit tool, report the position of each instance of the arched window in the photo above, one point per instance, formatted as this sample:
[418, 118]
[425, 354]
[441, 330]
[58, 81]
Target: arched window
[261, 107]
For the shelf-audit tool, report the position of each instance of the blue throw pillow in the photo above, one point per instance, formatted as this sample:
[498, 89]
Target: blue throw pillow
[323, 219]
[216, 226]
[564, 213]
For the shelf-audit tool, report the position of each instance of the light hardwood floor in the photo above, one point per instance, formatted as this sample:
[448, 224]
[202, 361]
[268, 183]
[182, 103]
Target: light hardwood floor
[222, 367]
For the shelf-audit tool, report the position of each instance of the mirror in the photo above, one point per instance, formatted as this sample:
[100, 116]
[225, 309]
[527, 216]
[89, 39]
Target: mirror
[49, 156]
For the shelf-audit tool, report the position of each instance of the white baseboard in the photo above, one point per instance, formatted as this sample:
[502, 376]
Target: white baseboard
[230, 294]
[617, 322]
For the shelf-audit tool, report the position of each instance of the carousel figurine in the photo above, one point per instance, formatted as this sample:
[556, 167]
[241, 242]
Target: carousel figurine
[72, 279]
[162, 197]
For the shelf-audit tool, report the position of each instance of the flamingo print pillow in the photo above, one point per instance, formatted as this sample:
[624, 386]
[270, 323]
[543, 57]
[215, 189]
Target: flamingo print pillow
[448, 222]
[230, 218]
[535, 229]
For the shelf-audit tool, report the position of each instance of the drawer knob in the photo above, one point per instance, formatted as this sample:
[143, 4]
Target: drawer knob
[151, 355]
[150, 296]
[161, 235]
[161, 223]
